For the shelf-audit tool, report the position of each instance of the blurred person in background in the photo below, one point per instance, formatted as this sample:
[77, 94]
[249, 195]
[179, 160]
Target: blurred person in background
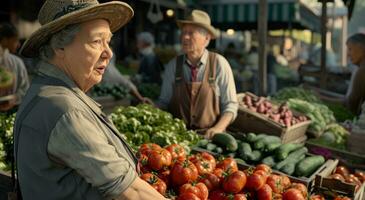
[150, 67]
[9, 42]
[355, 95]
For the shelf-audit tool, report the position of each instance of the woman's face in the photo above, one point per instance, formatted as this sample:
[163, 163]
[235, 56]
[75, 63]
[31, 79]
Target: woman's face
[356, 53]
[87, 57]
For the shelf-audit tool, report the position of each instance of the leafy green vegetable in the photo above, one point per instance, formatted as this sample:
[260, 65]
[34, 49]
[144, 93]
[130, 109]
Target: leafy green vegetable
[145, 123]
[115, 90]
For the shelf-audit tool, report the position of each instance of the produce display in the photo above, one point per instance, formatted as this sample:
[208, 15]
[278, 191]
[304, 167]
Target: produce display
[320, 115]
[145, 123]
[6, 140]
[295, 93]
[279, 114]
[334, 136]
[343, 174]
[201, 176]
[321, 197]
[290, 158]
[340, 112]
[117, 91]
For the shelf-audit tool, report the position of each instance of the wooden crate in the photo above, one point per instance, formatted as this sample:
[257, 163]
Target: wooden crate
[326, 168]
[350, 159]
[333, 187]
[249, 121]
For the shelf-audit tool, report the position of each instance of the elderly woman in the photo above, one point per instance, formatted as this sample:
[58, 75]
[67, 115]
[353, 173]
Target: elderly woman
[355, 96]
[65, 147]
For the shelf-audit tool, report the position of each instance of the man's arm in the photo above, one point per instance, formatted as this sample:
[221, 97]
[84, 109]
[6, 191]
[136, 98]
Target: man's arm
[227, 97]
[221, 125]
[140, 190]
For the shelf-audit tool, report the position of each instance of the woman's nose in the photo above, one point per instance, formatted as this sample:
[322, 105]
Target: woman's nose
[107, 53]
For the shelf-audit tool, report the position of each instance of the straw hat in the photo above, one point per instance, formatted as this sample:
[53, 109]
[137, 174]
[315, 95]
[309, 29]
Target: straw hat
[57, 14]
[199, 18]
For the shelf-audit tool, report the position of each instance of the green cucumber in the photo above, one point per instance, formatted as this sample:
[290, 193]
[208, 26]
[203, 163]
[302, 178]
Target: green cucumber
[270, 161]
[271, 147]
[202, 143]
[211, 146]
[289, 168]
[226, 141]
[307, 166]
[255, 156]
[292, 158]
[244, 150]
[284, 150]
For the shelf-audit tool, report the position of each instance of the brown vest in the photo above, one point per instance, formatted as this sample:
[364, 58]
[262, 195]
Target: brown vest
[196, 102]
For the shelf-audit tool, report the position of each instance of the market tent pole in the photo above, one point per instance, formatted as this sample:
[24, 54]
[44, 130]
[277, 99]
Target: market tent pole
[262, 30]
[324, 43]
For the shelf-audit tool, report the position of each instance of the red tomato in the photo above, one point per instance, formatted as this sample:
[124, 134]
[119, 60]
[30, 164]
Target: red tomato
[155, 182]
[235, 182]
[219, 173]
[285, 181]
[177, 152]
[164, 175]
[159, 159]
[276, 196]
[217, 195]
[293, 194]
[264, 167]
[147, 148]
[236, 197]
[204, 162]
[210, 180]
[360, 176]
[183, 172]
[255, 181]
[274, 181]
[187, 196]
[199, 189]
[342, 198]
[264, 193]
[337, 176]
[342, 170]
[301, 187]
[317, 197]
[143, 162]
[228, 165]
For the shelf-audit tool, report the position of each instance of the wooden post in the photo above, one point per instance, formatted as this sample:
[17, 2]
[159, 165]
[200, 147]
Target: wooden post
[322, 83]
[262, 29]
[343, 41]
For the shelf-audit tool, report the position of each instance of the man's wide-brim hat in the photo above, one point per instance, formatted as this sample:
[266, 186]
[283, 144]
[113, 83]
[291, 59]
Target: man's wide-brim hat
[199, 18]
[57, 14]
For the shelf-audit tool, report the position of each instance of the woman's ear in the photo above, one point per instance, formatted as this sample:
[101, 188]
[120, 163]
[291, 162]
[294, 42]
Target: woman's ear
[59, 52]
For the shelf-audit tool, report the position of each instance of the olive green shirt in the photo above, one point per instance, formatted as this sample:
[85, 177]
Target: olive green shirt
[81, 147]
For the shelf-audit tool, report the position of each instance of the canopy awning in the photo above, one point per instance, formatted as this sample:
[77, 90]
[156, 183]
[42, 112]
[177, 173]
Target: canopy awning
[243, 14]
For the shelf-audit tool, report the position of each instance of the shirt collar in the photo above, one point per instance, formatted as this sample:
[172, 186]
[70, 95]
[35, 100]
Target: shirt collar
[203, 59]
[54, 72]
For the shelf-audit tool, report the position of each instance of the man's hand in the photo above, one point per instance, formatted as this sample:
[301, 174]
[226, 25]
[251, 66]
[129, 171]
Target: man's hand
[5, 106]
[212, 131]
[147, 101]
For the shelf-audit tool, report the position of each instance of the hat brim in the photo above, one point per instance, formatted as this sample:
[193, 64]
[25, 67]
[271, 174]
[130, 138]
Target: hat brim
[116, 13]
[214, 33]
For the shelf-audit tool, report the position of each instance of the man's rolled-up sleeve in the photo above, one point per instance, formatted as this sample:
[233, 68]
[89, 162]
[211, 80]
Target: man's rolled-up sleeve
[81, 144]
[227, 87]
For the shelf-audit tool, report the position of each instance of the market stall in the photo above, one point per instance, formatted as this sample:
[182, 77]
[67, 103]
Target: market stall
[266, 154]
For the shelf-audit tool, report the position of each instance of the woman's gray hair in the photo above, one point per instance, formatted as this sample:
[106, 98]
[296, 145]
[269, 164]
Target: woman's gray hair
[358, 38]
[58, 40]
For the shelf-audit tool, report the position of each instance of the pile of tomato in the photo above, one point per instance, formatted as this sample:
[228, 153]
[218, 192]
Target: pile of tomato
[200, 177]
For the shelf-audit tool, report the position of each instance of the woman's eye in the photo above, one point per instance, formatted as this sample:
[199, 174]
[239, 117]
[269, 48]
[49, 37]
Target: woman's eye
[97, 41]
